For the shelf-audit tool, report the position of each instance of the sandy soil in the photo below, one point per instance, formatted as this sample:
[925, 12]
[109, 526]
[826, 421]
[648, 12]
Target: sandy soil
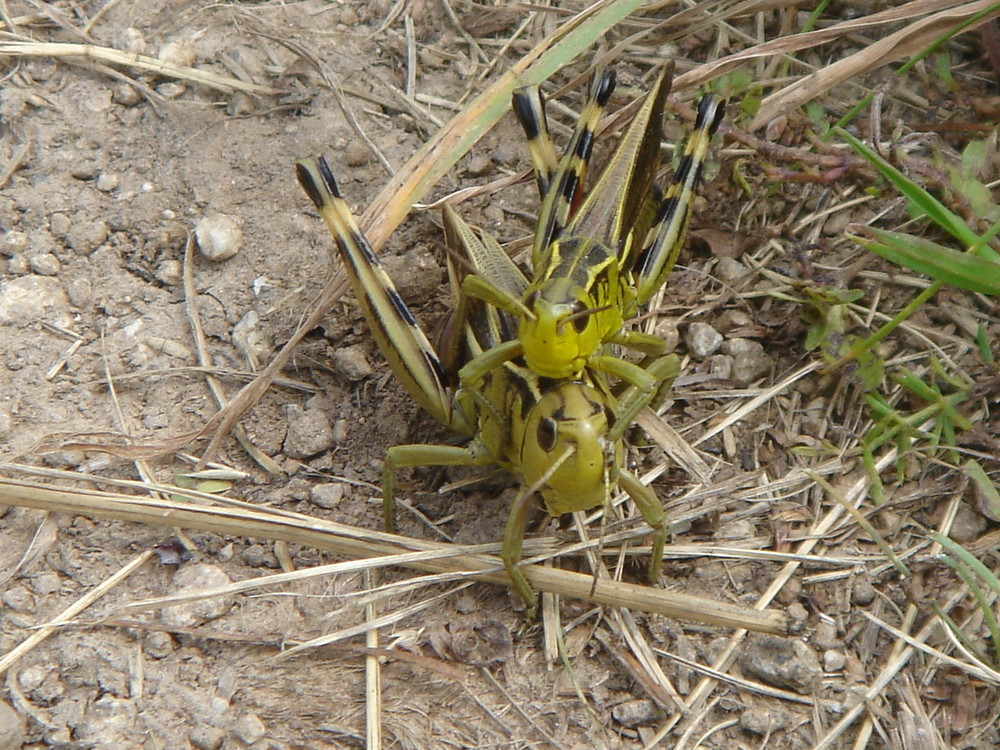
[95, 215]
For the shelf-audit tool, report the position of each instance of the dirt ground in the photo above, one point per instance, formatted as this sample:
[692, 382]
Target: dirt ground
[107, 177]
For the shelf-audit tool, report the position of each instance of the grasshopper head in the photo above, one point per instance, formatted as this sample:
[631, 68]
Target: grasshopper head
[565, 450]
[566, 327]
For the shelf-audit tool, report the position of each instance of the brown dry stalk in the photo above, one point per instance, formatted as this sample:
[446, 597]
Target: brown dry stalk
[363, 543]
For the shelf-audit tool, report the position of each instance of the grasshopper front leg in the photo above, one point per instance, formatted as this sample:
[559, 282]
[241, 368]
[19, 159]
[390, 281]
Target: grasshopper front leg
[654, 515]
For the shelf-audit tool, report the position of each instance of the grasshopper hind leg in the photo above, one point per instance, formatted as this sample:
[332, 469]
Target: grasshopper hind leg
[409, 456]
[513, 541]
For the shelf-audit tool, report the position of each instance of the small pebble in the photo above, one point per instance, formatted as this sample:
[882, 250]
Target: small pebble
[720, 366]
[702, 340]
[80, 291]
[249, 728]
[31, 677]
[863, 593]
[357, 154]
[219, 237]
[107, 181]
[634, 713]
[86, 236]
[833, 661]
[825, 636]
[967, 526]
[790, 592]
[327, 495]
[309, 432]
[494, 215]
[171, 90]
[17, 266]
[28, 299]
[169, 272]
[797, 613]
[764, 721]
[668, 332]
[44, 264]
[158, 644]
[60, 224]
[20, 600]
[732, 320]
[479, 166]
[259, 556]
[748, 367]
[84, 170]
[730, 270]
[837, 223]
[298, 488]
[340, 432]
[14, 243]
[352, 363]
[194, 578]
[736, 346]
[783, 662]
[177, 53]
[45, 584]
[240, 104]
[125, 94]
[206, 737]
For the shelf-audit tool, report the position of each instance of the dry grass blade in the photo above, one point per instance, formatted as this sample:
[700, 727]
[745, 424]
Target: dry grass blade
[451, 143]
[135, 61]
[71, 612]
[855, 494]
[657, 428]
[796, 42]
[348, 540]
[974, 669]
[896, 46]
[890, 672]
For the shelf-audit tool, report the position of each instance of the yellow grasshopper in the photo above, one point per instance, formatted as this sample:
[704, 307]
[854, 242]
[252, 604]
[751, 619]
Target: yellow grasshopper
[560, 438]
[594, 263]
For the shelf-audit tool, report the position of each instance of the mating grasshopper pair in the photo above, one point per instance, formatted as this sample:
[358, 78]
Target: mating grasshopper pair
[560, 434]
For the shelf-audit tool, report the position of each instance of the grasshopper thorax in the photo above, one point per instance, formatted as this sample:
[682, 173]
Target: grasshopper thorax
[565, 450]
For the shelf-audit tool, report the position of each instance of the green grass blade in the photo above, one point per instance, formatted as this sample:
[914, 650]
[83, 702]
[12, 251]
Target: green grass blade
[935, 210]
[966, 557]
[987, 490]
[863, 522]
[965, 566]
[941, 263]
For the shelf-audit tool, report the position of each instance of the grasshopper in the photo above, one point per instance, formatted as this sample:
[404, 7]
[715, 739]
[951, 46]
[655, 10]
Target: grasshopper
[560, 438]
[596, 261]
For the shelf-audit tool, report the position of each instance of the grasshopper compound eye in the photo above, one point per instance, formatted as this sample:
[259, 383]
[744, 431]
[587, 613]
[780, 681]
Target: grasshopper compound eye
[546, 434]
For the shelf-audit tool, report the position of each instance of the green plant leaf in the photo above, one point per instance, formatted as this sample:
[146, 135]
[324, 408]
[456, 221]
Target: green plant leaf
[924, 201]
[941, 263]
[987, 496]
